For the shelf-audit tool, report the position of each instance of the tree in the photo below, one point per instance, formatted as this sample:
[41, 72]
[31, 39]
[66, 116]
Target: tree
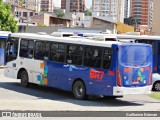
[87, 12]
[60, 14]
[7, 22]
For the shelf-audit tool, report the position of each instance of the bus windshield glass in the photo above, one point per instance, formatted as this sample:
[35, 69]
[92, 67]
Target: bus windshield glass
[131, 55]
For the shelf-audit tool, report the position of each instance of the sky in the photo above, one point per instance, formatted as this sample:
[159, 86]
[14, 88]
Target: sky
[57, 3]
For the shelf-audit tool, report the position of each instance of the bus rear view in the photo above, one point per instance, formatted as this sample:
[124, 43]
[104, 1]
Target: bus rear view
[134, 74]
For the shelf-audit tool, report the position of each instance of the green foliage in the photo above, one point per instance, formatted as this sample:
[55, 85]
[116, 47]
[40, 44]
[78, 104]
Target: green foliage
[7, 22]
[87, 12]
[60, 14]
[42, 25]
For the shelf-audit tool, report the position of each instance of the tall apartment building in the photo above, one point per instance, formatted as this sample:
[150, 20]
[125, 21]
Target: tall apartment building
[47, 5]
[73, 5]
[140, 11]
[113, 8]
[150, 18]
[127, 8]
[154, 16]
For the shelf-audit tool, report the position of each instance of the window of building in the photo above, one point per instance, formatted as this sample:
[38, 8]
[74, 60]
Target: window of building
[24, 14]
[31, 13]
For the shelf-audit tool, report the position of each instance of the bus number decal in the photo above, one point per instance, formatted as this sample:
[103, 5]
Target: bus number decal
[94, 74]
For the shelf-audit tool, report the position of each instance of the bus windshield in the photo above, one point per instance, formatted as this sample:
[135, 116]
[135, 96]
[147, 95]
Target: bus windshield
[131, 55]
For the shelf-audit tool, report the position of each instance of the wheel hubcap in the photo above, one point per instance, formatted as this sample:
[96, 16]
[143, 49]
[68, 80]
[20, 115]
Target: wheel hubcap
[157, 86]
[23, 78]
[79, 90]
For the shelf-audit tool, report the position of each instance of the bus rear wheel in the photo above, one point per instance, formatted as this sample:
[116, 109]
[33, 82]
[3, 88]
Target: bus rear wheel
[156, 86]
[79, 90]
[24, 78]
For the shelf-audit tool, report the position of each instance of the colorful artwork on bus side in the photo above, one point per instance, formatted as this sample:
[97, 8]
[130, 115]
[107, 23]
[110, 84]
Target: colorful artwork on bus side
[43, 77]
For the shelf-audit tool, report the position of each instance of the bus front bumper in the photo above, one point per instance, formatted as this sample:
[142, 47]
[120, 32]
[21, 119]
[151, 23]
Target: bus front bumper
[119, 91]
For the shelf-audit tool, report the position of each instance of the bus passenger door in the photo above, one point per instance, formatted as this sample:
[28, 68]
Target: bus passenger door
[11, 57]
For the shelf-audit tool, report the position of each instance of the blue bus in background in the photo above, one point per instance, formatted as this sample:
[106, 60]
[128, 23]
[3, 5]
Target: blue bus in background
[3, 40]
[85, 67]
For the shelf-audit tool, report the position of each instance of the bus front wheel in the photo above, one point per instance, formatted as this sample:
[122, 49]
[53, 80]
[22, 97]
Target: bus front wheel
[24, 78]
[79, 90]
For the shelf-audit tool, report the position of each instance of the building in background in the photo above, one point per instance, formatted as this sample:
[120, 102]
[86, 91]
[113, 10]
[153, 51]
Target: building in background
[154, 16]
[47, 5]
[37, 5]
[123, 28]
[29, 4]
[51, 20]
[113, 8]
[73, 5]
[103, 23]
[139, 11]
[127, 8]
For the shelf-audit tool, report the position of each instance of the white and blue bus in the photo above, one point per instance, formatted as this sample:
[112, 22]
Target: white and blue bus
[85, 67]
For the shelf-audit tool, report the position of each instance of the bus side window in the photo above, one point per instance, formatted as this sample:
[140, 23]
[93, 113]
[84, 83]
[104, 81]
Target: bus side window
[145, 41]
[12, 49]
[26, 48]
[46, 48]
[93, 57]
[74, 54]
[107, 58]
[30, 49]
[153, 46]
[57, 52]
[38, 51]
[42, 50]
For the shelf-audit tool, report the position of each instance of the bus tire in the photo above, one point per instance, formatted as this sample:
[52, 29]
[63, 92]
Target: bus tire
[24, 78]
[156, 86]
[79, 90]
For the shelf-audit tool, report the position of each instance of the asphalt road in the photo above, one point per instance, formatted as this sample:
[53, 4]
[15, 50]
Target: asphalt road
[15, 97]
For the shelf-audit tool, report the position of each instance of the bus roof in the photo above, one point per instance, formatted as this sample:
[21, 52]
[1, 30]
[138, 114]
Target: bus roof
[60, 34]
[138, 37]
[4, 35]
[69, 40]
[96, 34]
[102, 38]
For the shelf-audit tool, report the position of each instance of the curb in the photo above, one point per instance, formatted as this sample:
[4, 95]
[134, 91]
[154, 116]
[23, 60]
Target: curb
[1, 67]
